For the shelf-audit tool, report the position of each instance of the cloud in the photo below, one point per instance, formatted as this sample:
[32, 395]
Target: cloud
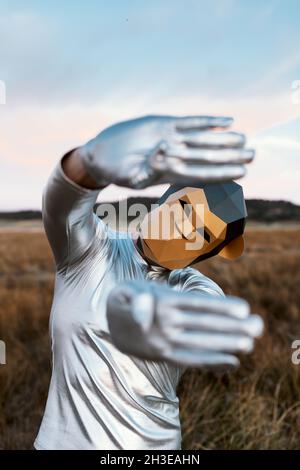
[279, 144]
[275, 173]
[70, 71]
[77, 54]
[33, 138]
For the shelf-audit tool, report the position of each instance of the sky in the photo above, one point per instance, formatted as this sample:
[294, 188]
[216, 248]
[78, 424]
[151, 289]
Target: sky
[71, 68]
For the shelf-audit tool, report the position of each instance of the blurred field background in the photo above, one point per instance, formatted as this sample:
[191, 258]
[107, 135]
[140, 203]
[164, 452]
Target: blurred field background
[257, 407]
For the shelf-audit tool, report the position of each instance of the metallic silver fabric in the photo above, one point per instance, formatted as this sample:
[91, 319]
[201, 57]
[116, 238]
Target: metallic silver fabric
[166, 149]
[185, 327]
[99, 397]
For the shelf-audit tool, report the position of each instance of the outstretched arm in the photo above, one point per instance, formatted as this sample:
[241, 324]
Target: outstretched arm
[153, 321]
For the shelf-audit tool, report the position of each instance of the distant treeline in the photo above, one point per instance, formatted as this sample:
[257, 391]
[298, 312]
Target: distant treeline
[259, 210]
[21, 215]
[272, 211]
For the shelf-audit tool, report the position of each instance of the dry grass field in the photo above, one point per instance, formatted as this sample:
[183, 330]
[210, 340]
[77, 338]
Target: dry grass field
[257, 407]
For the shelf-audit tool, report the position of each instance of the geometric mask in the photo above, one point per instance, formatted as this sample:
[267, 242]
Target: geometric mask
[191, 224]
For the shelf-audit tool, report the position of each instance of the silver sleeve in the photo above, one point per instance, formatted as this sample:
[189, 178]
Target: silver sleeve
[68, 218]
[191, 280]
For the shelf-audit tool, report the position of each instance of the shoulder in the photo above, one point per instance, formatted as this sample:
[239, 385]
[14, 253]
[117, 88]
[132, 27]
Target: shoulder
[190, 279]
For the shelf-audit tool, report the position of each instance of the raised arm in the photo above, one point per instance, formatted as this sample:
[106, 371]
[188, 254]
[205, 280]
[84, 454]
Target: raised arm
[68, 217]
[136, 153]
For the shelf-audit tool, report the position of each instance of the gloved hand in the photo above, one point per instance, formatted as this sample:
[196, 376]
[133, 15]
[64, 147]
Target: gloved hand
[152, 321]
[164, 149]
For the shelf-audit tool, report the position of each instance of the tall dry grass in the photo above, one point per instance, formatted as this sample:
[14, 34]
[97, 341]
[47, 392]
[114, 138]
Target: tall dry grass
[258, 407]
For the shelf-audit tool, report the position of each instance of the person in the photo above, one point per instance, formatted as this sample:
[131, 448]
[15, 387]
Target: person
[123, 331]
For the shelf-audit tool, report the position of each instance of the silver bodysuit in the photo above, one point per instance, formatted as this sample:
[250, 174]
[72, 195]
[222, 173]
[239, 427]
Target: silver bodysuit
[100, 398]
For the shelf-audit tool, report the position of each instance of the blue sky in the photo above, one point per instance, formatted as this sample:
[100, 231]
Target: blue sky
[73, 67]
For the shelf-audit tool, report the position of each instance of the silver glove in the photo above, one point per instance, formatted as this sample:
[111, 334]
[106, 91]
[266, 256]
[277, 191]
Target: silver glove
[152, 321]
[165, 149]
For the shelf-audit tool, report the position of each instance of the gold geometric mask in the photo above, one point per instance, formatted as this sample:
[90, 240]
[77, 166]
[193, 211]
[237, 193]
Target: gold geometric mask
[191, 224]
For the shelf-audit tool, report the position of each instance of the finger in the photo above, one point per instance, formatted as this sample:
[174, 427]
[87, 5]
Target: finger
[202, 122]
[232, 306]
[175, 171]
[251, 326]
[211, 139]
[203, 359]
[236, 343]
[209, 156]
